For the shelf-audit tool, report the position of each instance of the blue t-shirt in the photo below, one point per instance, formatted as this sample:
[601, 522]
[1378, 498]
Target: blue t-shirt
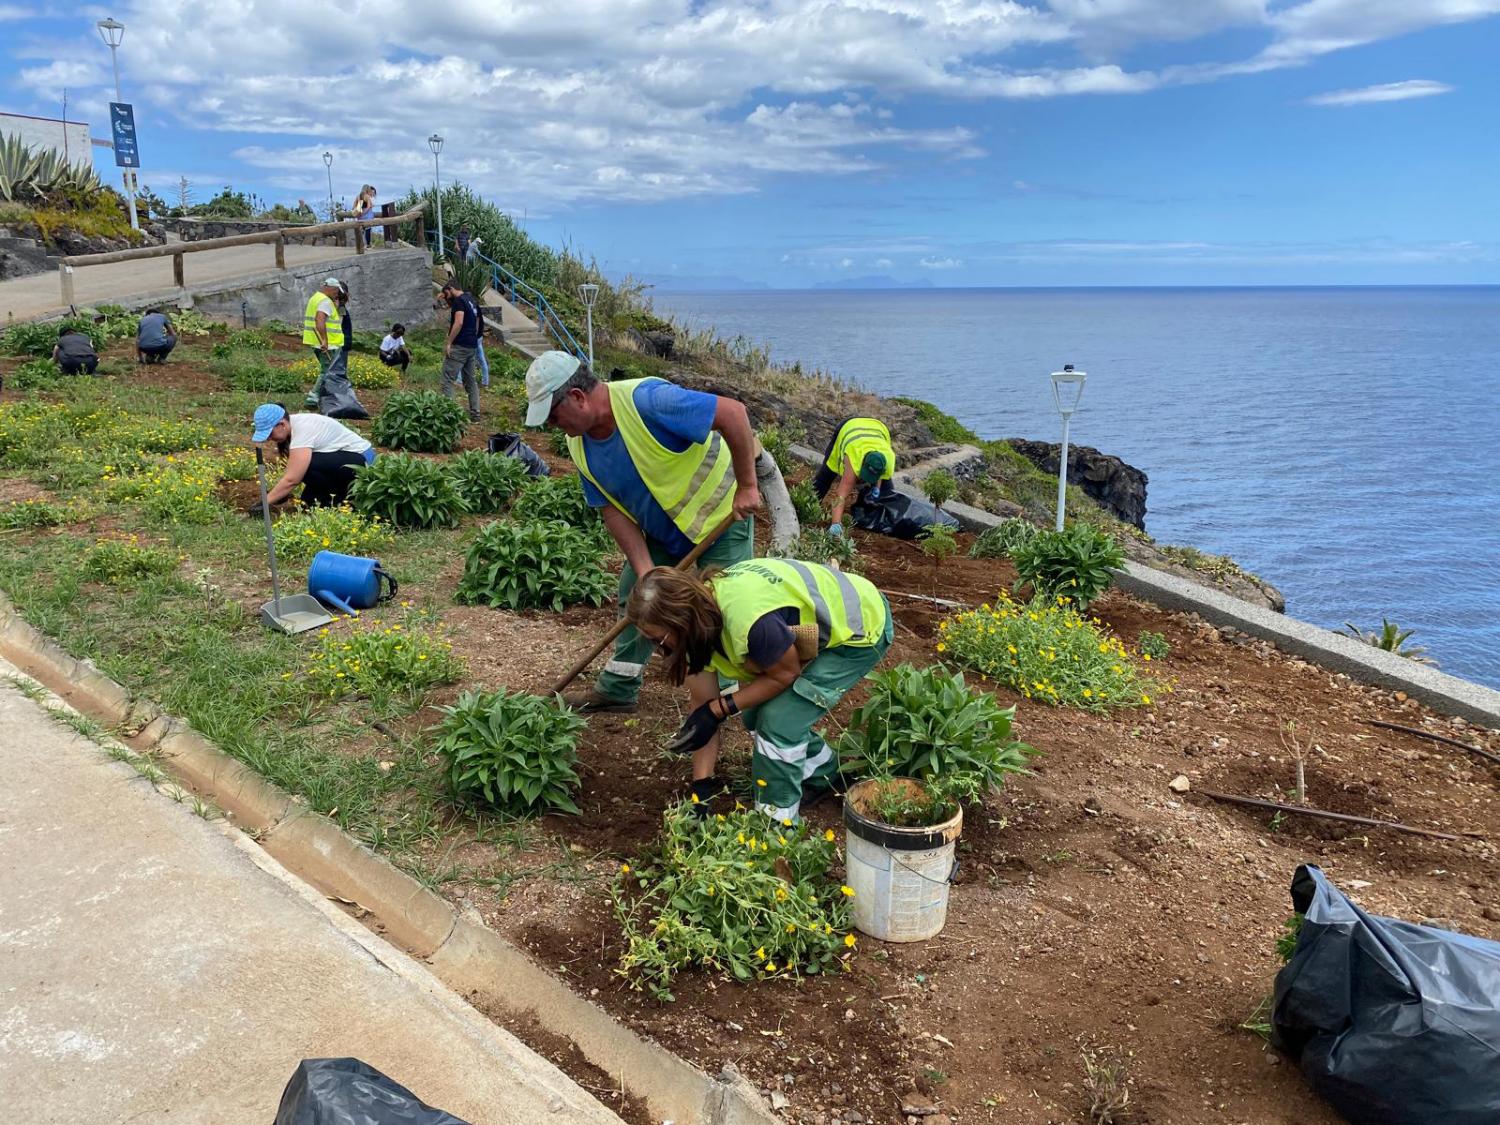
[463, 306]
[152, 331]
[676, 417]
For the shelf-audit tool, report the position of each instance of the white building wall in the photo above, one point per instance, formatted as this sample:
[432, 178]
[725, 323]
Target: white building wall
[45, 132]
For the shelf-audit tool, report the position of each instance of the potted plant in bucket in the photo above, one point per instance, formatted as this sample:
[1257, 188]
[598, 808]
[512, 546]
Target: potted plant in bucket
[900, 856]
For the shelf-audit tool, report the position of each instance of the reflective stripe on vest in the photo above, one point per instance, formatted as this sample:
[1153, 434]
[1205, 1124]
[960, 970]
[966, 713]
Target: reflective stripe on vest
[695, 488]
[848, 609]
[858, 437]
[333, 325]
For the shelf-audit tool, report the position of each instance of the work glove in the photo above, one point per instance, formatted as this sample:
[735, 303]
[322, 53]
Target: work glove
[836, 530]
[700, 726]
[256, 510]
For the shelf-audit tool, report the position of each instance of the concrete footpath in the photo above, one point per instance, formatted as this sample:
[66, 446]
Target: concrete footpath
[156, 966]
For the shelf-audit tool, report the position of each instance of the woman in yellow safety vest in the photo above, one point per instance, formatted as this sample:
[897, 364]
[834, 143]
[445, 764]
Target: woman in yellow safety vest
[792, 636]
[861, 461]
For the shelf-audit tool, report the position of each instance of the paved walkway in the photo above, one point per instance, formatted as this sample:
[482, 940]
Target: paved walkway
[26, 297]
[157, 967]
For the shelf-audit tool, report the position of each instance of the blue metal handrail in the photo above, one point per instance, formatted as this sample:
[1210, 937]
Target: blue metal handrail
[523, 294]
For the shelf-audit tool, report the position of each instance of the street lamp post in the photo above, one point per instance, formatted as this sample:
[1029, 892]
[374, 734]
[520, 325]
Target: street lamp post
[435, 142]
[1067, 391]
[112, 31]
[590, 293]
[328, 163]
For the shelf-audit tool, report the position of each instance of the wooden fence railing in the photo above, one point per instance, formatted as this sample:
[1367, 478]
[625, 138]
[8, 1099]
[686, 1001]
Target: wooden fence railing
[177, 251]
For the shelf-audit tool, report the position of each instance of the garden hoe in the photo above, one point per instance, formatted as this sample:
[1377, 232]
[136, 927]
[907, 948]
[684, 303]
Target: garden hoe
[619, 627]
[296, 613]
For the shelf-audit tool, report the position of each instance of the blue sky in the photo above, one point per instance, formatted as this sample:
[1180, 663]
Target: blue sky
[792, 142]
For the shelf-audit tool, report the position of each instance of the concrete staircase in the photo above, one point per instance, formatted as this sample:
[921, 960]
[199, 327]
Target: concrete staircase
[518, 330]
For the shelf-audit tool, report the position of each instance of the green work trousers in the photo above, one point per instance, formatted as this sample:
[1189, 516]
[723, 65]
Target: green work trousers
[325, 360]
[786, 753]
[620, 682]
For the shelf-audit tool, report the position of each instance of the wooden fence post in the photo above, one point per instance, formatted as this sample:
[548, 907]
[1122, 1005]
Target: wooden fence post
[359, 239]
[280, 250]
[65, 277]
[177, 274]
[421, 232]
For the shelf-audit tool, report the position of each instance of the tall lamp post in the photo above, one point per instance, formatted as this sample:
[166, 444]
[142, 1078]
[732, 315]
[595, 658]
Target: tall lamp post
[590, 293]
[435, 142]
[328, 163]
[1067, 391]
[112, 31]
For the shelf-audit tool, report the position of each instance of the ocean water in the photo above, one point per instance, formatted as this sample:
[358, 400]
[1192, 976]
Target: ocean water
[1344, 444]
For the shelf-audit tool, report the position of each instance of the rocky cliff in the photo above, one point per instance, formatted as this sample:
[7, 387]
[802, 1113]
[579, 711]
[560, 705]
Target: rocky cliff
[1118, 488]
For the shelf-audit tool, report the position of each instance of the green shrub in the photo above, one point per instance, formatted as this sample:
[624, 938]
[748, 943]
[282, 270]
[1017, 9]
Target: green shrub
[1047, 652]
[926, 723]
[244, 340]
[504, 367]
[486, 481]
[543, 564]
[380, 662]
[816, 545]
[1004, 539]
[778, 440]
[407, 493]
[173, 493]
[938, 542]
[249, 371]
[1390, 637]
[36, 375]
[554, 498]
[27, 515]
[733, 893]
[1153, 646]
[303, 534]
[1074, 563]
[940, 486]
[37, 338]
[514, 751]
[910, 804]
[806, 504]
[125, 560]
[945, 428]
[557, 441]
[420, 421]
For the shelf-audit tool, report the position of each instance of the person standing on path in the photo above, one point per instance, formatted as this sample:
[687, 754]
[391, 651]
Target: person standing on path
[861, 460]
[459, 360]
[154, 338]
[665, 466]
[323, 332]
[322, 455]
[364, 208]
[793, 636]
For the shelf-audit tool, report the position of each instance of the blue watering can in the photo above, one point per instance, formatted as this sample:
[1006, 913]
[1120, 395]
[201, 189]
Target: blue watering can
[348, 582]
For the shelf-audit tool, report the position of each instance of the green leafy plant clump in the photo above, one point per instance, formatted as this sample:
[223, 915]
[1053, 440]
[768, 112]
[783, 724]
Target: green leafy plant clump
[543, 564]
[244, 340]
[407, 493]
[38, 338]
[420, 421]
[28, 515]
[486, 481]
[1153, 646]
[251, 371]
[938, 542]
[513, 751]
[554, 498]
[118, 561]
[1048, 652]
[806, 504]
[907, 804]
[733, 893]
[1390, 637]
[928, 724]
[36, 375]
[817, 545]
[1074, 563]
[940, 486]
[302, 534]
[1004, 539]
[380, 661]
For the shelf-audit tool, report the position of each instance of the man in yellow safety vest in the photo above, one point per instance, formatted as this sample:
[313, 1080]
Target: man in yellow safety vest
[860, 462]
[323, 332]
[665, 466]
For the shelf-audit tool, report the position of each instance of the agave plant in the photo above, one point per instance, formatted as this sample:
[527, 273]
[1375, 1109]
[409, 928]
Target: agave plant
[28, 174]
[1392, 638]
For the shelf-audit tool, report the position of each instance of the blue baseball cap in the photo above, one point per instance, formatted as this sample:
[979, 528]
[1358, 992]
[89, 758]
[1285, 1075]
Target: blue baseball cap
[266, 417]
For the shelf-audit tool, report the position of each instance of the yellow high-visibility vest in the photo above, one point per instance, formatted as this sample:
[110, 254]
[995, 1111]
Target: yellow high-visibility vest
[695, 487]
[847, 609]
[858, 437]
[334, 325]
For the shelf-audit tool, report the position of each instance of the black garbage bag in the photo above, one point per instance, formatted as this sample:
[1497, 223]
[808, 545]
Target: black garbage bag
[898, 515]
[511, 445]
[1392, 1022]
[336, 397]
[351, 1092]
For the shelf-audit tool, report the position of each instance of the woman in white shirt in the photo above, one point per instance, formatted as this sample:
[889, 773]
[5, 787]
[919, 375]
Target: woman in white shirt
[321, 454]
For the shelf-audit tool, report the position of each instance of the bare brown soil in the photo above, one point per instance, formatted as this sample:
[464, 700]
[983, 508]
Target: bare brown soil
[1096, 908]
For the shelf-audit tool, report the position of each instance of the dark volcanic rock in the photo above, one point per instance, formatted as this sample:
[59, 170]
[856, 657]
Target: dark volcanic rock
[1117, 487]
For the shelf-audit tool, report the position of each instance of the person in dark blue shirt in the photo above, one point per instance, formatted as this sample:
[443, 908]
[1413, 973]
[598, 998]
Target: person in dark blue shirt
[459, 358]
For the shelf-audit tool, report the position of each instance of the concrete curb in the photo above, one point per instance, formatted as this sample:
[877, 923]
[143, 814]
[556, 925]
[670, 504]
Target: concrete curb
[1334, 651]
[471, 959]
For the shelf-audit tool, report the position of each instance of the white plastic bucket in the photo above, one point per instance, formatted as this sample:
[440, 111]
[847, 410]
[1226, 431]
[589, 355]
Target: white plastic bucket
[899, 876]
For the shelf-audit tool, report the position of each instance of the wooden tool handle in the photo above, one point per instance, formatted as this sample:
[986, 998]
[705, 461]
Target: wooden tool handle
[619, 627]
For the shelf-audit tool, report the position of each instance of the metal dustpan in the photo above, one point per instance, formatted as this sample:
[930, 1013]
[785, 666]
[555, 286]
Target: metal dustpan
[295, 613]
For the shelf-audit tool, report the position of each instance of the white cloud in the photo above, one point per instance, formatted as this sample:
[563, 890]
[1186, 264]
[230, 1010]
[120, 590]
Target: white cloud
[1389, 92]
[883, 263]
[14, 12]
[940, 263]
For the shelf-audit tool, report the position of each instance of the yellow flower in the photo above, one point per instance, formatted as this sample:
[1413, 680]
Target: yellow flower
[770, 966]
[740, 839]
[1145, 698]
[780, 894]
[761, 782]
[695, 798]
[791, 927]
[848, 891]
[624, 869]
[760, 954]
[942, 647]
[849, 940]
[1146, 656]
[828, 835]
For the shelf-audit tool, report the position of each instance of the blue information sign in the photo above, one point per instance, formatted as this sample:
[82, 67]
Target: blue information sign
[122, 124]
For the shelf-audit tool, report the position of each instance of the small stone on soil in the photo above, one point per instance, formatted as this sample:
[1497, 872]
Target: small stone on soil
[1180, 784]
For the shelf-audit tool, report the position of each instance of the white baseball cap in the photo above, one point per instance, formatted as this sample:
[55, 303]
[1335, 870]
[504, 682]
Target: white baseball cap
[547, 373]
